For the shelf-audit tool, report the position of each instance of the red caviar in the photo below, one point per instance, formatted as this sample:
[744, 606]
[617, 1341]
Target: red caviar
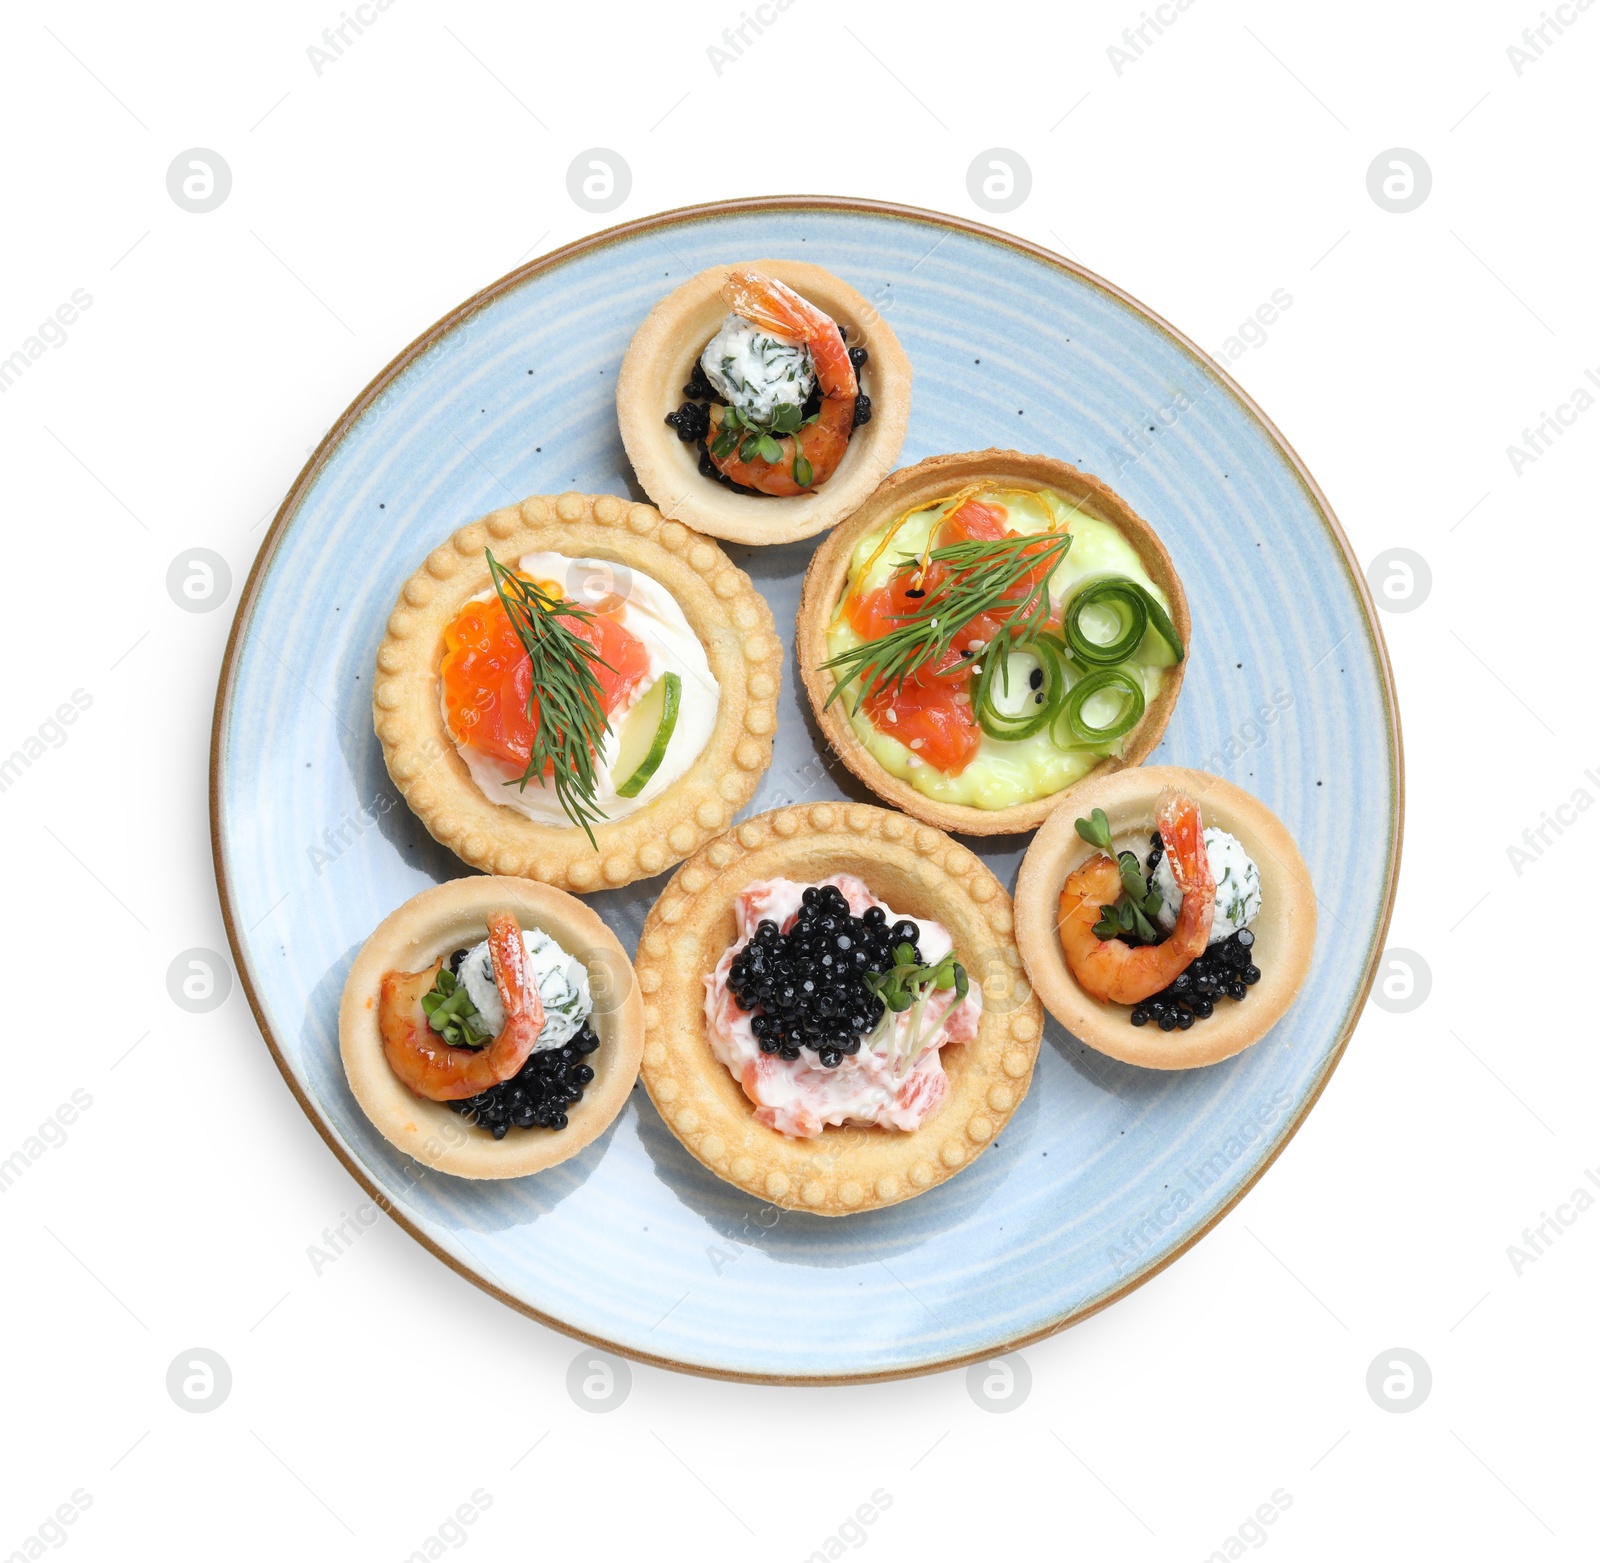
[487, 677]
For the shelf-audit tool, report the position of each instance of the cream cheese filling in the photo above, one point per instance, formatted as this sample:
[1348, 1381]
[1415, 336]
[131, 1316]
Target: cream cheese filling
[562, 982]
[1003, 773]
[653, 615]
[1238, 880]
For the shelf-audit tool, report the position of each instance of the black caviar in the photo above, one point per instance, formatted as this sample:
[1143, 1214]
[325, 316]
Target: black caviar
[692, 421]
[858, 356]
[700, 388]
[806, 988]
[539, 1094]
[1225, 969]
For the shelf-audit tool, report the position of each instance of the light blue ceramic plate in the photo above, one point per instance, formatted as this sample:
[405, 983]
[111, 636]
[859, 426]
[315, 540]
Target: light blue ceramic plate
[1106, 1172]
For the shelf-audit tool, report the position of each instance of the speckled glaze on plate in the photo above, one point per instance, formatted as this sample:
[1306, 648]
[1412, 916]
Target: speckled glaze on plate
[1106, 1172]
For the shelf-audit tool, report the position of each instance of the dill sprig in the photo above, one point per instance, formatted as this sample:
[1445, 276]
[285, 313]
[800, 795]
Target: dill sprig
[565, 704]
[985, 574]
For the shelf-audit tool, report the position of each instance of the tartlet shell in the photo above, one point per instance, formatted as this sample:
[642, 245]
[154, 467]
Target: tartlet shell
[936, 478]
[1286, 928]
[918, 871]
[728, 614]
[441, 919]
[658, 363]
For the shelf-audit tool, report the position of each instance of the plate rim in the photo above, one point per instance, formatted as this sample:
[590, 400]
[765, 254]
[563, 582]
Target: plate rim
[677, 217]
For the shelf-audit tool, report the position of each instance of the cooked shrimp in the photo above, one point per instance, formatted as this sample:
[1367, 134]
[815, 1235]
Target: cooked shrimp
[778, 310]
[1118, 973]
[430, 1066]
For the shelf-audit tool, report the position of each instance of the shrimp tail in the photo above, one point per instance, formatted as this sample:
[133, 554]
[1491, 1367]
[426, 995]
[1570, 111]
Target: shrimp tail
[1183, 836]
[519, 996]
[509, 958]
[432, 1068]
[772, 305]
[1110, 969]
[781, 312]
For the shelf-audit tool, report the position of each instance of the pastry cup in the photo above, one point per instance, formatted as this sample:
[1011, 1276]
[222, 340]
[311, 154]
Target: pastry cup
[919, 872]
[435, 923]
[1285, 930]
[730, 617]
[936, 478]
[659, 361]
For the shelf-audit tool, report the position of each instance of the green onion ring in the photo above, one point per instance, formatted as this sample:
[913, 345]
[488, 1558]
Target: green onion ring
[1072, 732]
[1051, 656]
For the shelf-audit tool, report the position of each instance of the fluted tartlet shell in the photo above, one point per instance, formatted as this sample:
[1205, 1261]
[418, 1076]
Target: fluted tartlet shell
[920, 872]
[726, 612]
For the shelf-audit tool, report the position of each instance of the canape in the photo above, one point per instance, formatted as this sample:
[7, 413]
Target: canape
[1166, 917]
[490, 1027]
[763, 402]
[988, 630]
[835, 1013]
[574, 690]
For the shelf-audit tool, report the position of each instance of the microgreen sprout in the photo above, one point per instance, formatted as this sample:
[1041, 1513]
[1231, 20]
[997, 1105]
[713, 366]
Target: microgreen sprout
[757, 438]
[452, 1013]
[908, 985]
[1133, 916]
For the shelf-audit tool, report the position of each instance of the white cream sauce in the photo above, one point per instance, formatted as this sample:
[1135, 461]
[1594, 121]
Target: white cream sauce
[755, 371]
[1238, 887]
[653, 615]
[562, 982]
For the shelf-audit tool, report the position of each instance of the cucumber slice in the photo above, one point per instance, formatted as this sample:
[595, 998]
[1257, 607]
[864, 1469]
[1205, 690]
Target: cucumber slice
[1010, 708]
[646, 735]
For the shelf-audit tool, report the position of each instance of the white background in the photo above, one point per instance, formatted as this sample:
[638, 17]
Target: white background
[1227, 161]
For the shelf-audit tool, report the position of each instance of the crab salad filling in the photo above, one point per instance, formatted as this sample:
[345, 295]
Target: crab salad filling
[831, 1008]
